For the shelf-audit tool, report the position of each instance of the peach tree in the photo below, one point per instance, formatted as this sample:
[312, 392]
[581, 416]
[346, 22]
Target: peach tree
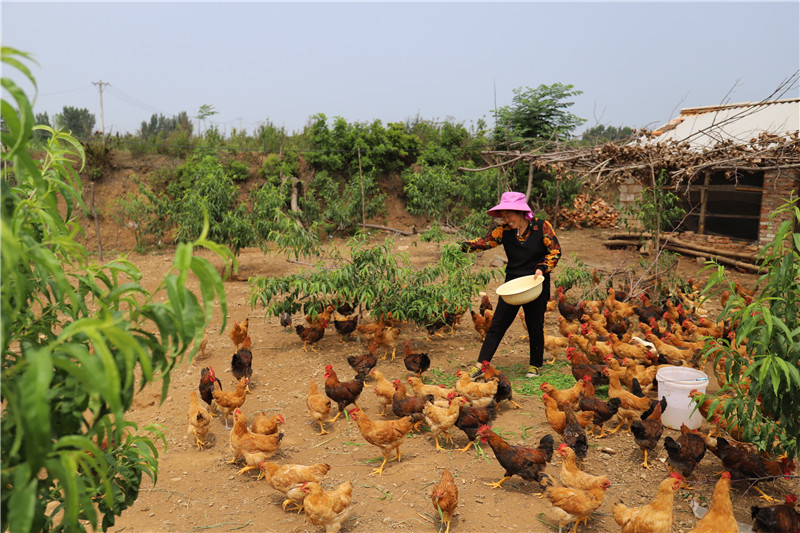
[78, 339]
[380, 280]
[760, 360]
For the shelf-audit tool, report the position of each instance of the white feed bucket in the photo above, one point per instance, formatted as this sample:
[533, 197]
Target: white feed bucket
[675, 383]
[521, 290]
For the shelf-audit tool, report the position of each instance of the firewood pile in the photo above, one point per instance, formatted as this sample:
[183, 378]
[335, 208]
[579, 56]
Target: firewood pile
[586, 213]
[720, 242]
[739, 254]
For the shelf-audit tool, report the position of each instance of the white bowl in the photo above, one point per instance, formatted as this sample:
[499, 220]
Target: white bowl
[521, 290]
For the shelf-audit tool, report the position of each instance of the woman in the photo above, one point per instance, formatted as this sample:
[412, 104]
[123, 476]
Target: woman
[532, 248]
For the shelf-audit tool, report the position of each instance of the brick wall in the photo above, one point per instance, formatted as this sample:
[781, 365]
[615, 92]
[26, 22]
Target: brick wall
[778, 185]
[629, 192]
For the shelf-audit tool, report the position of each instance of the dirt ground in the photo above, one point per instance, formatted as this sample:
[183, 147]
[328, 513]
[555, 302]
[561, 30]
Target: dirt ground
[199, 490]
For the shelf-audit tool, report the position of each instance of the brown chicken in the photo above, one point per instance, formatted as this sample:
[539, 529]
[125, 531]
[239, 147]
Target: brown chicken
[571, 313]
[616, 324]
[404, 405]
[319, 405]
[327, 508]
[558, 418]
[574, 435]
[527, 463]
[367, 332]
[615, 369]
[565, 327]
[199, 420]
[625, 349]
[471, 418]
[476, 392]
[646, 310]
[704, 402]
[562, 396]
[481, 322]
[628, 400]
[581, 367]
[485, 305]
[285, 320]
[416, 362]
[343, 393]
[555, 345]
[385, 434]
[644, 374]
[228, 401]
[238, 332]
[441, 419]
[575, 505]
[321, 318]
[207, 381]
[384, 390]
[752, 466]
[571, 475]
[242, 361]
[504, 390]
[444, 497]
[201, 348]
[265, 424]
[288, 479]
[647, 432]
[387, 338]
[655, 517]
[310, 334]
[684, 454]
[601, 412]
[345, 325]
[439, 392]
[253, 447]
[781, 518]
[720, 516]
[667, 350]
[363, 364]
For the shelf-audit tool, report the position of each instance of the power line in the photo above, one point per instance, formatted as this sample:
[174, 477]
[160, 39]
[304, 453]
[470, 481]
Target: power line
[64, 92]
[133, 101]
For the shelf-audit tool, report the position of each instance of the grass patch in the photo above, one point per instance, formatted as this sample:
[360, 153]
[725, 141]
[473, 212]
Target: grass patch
[435, 376]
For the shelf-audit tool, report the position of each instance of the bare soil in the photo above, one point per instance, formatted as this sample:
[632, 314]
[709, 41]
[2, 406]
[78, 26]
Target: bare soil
[199, 490]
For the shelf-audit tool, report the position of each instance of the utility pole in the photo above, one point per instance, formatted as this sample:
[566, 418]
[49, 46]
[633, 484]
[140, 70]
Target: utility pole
[102, 121]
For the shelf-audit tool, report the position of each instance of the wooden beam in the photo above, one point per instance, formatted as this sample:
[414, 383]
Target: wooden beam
[701, 225]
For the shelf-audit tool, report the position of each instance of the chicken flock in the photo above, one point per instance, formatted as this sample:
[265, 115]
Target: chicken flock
[618, 342]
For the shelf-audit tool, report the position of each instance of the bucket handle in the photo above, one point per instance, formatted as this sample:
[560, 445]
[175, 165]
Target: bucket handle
[687, 382]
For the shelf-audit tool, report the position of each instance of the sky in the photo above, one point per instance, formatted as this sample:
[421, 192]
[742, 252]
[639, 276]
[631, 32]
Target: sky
[637, 63]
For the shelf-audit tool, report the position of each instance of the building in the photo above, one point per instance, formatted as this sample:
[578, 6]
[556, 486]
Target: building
[749, 166]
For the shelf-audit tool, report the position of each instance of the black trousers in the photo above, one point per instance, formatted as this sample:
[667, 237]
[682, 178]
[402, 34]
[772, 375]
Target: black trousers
[504, 315]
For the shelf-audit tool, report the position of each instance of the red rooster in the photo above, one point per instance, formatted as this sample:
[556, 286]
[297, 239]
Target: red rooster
[343, 393]
[242, 361]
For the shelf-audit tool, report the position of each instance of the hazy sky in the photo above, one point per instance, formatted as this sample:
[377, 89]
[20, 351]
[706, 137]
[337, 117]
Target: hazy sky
[637, 63]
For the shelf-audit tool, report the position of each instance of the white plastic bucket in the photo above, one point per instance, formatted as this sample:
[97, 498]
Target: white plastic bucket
[675, 383]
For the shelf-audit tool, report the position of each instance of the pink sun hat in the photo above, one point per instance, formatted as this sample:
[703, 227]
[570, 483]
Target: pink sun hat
[511, 201]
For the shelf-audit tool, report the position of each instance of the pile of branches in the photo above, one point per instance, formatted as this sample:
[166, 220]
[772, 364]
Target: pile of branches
[613, 164]
[586, 213]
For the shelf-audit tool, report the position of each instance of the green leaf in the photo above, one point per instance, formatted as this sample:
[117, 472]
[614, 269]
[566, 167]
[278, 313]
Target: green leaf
[22, 504]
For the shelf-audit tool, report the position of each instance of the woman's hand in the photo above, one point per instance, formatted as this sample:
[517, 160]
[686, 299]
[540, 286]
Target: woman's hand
[538, 272]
